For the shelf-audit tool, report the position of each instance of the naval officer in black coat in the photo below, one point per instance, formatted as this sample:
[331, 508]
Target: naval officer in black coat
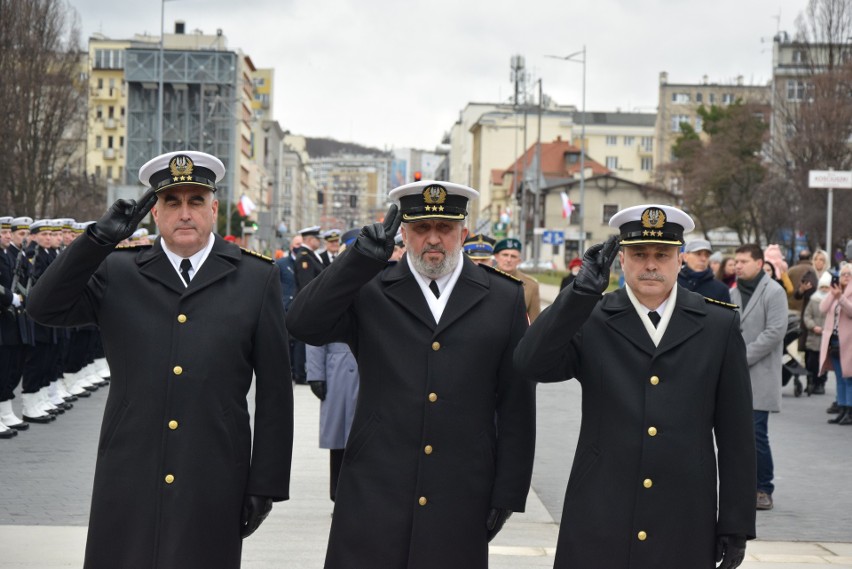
[441, 447]
[185, 323]
[664, 377]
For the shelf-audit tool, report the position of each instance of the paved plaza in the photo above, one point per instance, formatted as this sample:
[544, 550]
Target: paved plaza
[47, 473]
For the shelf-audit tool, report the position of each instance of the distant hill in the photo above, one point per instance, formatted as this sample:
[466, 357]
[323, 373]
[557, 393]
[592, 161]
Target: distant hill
[328, 147]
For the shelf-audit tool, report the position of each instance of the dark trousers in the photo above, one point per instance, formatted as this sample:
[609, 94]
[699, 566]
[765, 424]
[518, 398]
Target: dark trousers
[812, 365]
[11, 363]
[297, 361]
[765, 467]
[39, 366]
[336, 463]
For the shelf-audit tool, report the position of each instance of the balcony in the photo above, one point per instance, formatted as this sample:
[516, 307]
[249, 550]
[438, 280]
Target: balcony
[109, 153]
[109, 124]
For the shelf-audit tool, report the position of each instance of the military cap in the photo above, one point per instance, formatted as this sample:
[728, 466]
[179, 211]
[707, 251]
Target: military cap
[349, 237]
[313, 230]
[331, 235]
[139, 234]
[6, 222]
[430, 199]
[508, 243]
[652, 223]
[21, 223]
[40, 225]
[479, 246]
[65, 223]
[182, 168]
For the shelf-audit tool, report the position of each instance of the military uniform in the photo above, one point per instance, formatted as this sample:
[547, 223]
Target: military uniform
[643, 487]
[176, 454]
[532, 298]
[440, 434]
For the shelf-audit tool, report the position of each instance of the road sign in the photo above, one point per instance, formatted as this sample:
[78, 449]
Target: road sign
[553, 237]
[840, 179]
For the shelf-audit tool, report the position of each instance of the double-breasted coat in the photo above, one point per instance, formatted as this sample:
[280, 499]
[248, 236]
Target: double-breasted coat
[444, 428]
[334, 364]
[175, 455]
[643, 488]
[764, 324]
[308, 265]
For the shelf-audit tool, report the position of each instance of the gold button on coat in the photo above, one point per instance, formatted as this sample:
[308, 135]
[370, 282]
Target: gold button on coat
[652, 431]
[428, 449]
[642, 536]
[173, 424]
[169, 478]
[647, 483]
[655, 380]
[422, 501]
[181, 318]
[433, 397]
[436, 346]
[178, 370]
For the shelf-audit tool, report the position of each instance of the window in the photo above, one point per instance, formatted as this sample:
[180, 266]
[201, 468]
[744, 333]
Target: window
[728, 98]
[576, 214]
[111, 111]
[795, 90]
[97, 172]
[609, 209]
[109, 143]
[712, 98]
[798, 56]
[612, 162]
[99, 112]
[100, 82]
[109, 59]
[699, 123]
[648, 143]
[121, 142]
[611, 140]
[647, 164]
[98, 141]
[680, 98]
[677, 120]
[629, 140]
[699, 98]
[109, 172]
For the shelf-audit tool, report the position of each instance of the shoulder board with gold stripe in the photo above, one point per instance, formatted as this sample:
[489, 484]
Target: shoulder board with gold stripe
[304, 253]
[256, 254]
[720, 303]
[133, 247]
[497, 271]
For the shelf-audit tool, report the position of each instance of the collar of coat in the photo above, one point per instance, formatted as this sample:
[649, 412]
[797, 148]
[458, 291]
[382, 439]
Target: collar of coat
[222, 260]
[471, 288]
[688, 319]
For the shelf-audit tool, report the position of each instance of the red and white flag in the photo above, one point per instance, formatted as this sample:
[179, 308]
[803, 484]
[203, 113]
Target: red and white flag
[245, 206]
[567, 207]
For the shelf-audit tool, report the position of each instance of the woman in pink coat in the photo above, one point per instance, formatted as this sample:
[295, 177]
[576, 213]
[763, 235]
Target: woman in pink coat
[836, 348]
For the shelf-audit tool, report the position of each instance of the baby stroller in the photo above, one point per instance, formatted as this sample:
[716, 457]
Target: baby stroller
[790, 366]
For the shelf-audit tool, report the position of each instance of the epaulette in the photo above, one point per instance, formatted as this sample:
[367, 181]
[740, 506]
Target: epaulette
[497, 271]
[720, 303]
[303, 253]
[256, 254]
[133, 247]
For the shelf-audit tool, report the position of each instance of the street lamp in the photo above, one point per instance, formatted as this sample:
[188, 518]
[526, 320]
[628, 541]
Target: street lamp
[160, 90]
[580, 57]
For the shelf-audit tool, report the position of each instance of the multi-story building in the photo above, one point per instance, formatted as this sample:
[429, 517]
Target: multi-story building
[409, 163]
[679, 103]
[351, 190]
[623, 142]
[264, 80]
[298, 191]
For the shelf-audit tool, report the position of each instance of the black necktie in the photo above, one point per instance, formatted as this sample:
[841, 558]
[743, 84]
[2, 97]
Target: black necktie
[433, 286]
[655, 318]
[185, 265]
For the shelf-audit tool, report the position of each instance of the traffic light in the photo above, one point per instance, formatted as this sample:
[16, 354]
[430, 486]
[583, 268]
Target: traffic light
[319, 198]
[418, 176]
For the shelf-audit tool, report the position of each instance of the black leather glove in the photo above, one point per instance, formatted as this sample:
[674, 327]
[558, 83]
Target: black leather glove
[320, 389]
[593, 277]
[255, 510]
[496, 518]
[121, 219]
[730, 550]
[376, 240]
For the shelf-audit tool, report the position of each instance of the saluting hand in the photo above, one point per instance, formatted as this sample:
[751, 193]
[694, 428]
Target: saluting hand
[593, 277]
[376, 240]
[121, 219]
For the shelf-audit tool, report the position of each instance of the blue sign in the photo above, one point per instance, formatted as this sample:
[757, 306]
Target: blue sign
[553, 237]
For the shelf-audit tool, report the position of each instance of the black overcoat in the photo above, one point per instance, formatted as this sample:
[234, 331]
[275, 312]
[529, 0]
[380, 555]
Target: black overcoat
[181, 362]
[645, 459]
[444, 429]
[307, 266]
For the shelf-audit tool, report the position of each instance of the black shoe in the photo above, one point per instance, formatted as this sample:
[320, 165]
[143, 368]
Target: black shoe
[70, 398]
[8, 434]
[835, 408]
[19, 426]
[844, 412]
[43, 419]
[846, 420]
[819, 389]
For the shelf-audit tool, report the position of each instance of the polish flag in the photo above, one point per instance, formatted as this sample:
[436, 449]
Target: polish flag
[245, 206]
[567, 206]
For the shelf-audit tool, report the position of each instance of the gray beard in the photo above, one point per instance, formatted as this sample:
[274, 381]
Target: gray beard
[447, 265]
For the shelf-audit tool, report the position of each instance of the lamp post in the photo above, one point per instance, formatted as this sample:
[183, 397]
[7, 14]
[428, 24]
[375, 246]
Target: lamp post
[160, 89]
[580, 57]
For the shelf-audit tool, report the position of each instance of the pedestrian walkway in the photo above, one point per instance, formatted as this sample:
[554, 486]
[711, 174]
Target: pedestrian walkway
[295, 534]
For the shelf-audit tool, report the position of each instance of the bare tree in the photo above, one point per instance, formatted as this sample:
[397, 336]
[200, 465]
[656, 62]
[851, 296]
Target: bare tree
[42, 106]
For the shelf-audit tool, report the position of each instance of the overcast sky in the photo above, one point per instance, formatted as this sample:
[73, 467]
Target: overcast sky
[396, 73]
